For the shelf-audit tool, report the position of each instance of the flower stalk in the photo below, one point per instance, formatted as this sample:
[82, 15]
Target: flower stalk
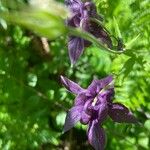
[87, 36]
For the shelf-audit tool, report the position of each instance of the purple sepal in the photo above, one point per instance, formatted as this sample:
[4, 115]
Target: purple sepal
[98, 85]
[80, 99]
[71, 86]
[103, 112]
[73, 116]
[75, 47]
[96, 136]
[120, 113]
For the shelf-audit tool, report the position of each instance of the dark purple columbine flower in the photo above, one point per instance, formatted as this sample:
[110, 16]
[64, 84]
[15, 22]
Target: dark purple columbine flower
[82, 15]
[92, 106]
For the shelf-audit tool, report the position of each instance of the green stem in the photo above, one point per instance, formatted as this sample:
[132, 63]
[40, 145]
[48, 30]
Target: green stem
[91, 38]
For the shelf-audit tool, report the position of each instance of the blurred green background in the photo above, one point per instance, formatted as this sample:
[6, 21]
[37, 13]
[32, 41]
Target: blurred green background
[33, 103]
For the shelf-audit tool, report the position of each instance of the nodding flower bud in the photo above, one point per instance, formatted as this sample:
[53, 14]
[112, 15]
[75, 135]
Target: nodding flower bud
[82, 17]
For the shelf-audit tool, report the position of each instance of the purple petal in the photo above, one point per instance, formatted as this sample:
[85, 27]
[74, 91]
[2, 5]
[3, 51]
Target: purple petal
[75, 47]
[85, 23]
[73, 116]
[80, 99]
[107, 95]
[85, 118]
[96, 136]
[121, 113]
[86, 113]
[98, 112]
[74, 5]
[91, 9]
[74, 21]
[99, 32]
[98, 85]
[103, 112]
[71, 86]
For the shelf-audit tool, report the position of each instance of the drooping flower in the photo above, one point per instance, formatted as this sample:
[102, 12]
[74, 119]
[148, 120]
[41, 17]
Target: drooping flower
[92, 106]
[82, 15]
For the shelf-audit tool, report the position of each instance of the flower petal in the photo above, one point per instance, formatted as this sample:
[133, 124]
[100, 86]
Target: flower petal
[121, 113]
[74, 5]
[75, 47]
[91, 9]
[98, 85]
[103, 112]
[85, 118]
[100, 32]
[74, 21]
[73, 116]
[71, 86]
[80, 99]
[86, 113]
[106, 95]
[96, 136]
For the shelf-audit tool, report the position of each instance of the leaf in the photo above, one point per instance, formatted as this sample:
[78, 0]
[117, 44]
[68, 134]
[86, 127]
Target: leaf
[128, 66]
[117, 30]
[130, 43]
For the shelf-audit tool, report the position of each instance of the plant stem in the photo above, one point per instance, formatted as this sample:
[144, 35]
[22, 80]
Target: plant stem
[91, 38]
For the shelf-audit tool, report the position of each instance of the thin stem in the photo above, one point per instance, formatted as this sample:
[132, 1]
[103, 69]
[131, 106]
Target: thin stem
[91, 38]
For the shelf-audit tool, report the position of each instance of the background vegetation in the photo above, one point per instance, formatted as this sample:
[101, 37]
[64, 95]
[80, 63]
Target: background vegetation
[33, 103]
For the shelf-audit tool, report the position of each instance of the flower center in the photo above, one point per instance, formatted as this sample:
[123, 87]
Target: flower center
[94, 101]
[100, 92]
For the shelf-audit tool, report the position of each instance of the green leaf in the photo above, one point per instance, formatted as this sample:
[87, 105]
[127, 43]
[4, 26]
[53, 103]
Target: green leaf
[130, 43]
[128, 66]
[117, 30]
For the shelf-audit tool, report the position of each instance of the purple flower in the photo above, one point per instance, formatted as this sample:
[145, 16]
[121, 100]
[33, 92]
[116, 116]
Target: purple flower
[82, 14]
[92, 106]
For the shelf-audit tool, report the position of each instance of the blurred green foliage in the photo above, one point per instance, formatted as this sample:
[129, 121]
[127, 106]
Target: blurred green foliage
[33, 103]
[42, 17]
